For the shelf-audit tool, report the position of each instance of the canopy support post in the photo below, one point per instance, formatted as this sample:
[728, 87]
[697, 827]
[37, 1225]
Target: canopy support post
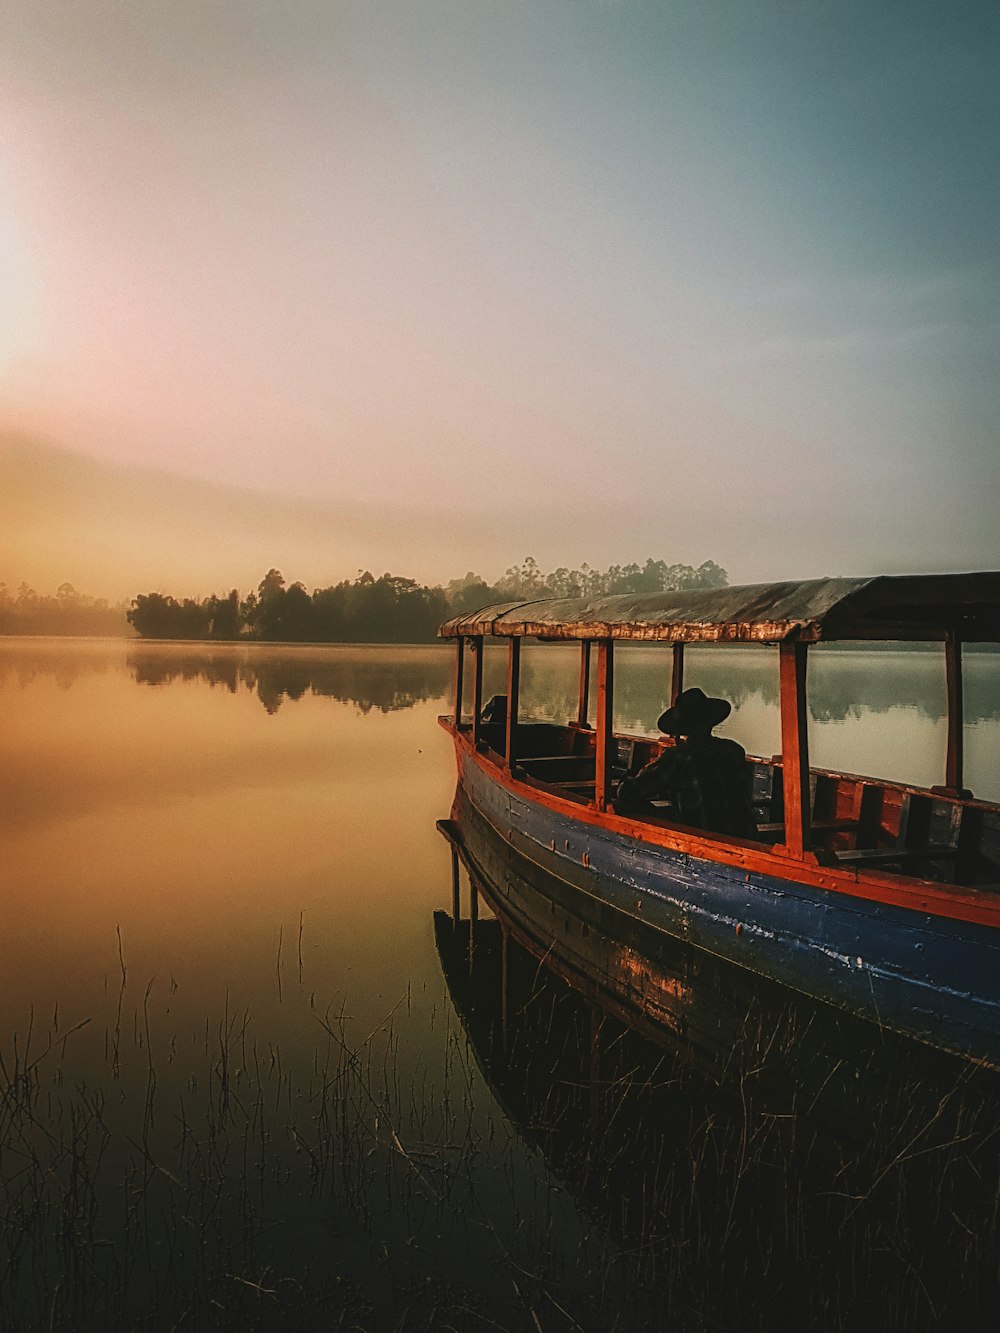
[795, 748]
[605, 722]
[677, 674]
[513, 693]
[459, 680]
[476, 644]
[584, 708]
[954, 762]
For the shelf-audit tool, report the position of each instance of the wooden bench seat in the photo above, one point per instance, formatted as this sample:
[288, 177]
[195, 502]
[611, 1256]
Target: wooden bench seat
[554, 759]
[568, 770]
[817, 825]
[869, 856]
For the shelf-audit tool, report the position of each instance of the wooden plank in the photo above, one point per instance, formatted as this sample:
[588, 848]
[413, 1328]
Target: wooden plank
[534, 759]
[477, 695]
[794, 747]
[584, 703]
[513, 699]
[817, 825]
[954, 760]
[824, 805]
[776, 805]
[968, 840]
[914, 821]
[944, 900]
[871, 798]
[678, 673]
[605, 722]
[459, 680]
[892, 855]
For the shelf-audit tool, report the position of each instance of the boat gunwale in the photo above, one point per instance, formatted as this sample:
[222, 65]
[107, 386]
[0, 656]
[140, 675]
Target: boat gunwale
[928, 897]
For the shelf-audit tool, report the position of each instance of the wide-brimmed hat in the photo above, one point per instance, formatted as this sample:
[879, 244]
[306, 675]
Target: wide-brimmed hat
[693, 711]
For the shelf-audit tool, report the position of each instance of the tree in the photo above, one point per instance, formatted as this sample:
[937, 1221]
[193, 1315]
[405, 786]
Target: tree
[387, 609]
[270, 585]
[224, 616]
[469, 594]
[248, 611]
[525, 580]
[153, 615]
[296, 623]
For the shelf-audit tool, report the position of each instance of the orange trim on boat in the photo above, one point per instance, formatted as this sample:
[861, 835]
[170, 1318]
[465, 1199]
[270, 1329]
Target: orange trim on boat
[957, 903]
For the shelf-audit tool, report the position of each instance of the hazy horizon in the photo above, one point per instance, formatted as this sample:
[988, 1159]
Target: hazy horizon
[430, 288]
[114, 531]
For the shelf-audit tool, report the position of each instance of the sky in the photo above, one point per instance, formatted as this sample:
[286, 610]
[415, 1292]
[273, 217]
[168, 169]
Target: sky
[433, 286]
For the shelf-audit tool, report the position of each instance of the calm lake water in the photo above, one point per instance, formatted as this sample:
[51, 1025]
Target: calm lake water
[238, 1091]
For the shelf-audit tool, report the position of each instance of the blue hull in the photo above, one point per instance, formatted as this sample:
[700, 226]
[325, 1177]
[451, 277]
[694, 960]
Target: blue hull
[923, 975]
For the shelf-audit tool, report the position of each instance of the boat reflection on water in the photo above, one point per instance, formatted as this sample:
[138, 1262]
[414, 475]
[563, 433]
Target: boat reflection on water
[757, 1156]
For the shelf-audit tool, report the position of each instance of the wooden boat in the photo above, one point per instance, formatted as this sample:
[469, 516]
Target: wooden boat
[525, 926]
[880, 898]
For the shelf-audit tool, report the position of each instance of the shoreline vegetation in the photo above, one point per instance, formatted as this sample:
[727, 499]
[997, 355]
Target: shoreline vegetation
[387, 609]
[66, 612]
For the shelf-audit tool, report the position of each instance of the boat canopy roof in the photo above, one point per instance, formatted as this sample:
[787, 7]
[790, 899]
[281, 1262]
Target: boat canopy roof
[887, 607]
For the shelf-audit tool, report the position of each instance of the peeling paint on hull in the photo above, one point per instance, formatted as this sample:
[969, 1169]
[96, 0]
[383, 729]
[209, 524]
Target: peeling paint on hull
[923, 975]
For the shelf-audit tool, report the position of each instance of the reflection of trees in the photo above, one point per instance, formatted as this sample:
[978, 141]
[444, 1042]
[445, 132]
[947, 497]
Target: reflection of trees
[152, 669]
[50, 662]
[384, 680]
[843, 682]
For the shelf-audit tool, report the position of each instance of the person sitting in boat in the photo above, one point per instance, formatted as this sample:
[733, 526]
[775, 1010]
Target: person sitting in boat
[705, 778]
[495, 712]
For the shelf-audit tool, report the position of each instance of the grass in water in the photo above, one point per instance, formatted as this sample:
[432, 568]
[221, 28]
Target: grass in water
[530, 1166]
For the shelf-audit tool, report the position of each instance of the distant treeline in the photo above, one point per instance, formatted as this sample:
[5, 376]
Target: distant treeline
[389, 609]
[68, 612]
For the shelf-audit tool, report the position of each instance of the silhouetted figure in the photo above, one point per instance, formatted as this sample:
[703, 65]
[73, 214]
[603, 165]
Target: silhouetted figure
[705, 778]
[494, 713]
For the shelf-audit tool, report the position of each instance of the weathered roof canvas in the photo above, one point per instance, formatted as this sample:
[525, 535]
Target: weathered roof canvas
[882, 607]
